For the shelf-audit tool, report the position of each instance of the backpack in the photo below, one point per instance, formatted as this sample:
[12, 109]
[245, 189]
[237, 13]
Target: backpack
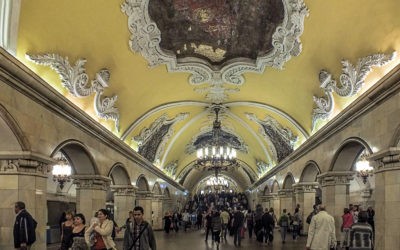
[283, 221]
[309, 217]
[32, 223]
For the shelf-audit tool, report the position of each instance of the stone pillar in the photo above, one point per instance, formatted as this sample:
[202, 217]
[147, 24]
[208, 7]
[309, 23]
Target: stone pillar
[124, 201]
[286, 200]
[167, 205]
[335, 194]
[387, 198]
[305, 197]
[144, 199]
[157, 208]
[23, 180]
[91, 191]
[275, 203]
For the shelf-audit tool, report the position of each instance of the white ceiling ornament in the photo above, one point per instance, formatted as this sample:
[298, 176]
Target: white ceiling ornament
[146, 37]
[75, 80]
[352, 80]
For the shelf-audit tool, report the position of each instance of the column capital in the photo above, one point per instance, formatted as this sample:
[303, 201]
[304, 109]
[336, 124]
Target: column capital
[285, 192]
[91, 182]
[143, 194]
[305, 187]
[386, 160]
[334, 178]
[123, 190]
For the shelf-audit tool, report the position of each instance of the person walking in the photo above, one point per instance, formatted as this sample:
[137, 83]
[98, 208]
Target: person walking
[296, 221]
[139, 234]
[24, 227]
[78, 233]
[268, 223]
[250, 222]
[321, 233]
[237, 225]
[216, 225]
[102, 230]
[347, 221]
[225, 220]
[361, 233]
[284, 224]
[66, 231]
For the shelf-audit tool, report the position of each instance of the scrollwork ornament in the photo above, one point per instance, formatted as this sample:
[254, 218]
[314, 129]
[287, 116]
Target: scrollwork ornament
[73, 78]
[105, 108]
[352, 80]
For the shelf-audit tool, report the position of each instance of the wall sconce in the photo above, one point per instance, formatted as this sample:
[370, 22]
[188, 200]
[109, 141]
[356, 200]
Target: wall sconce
[61, 172]
[364, 170]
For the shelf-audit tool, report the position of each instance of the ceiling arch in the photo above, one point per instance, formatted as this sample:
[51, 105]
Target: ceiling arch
[282, 89]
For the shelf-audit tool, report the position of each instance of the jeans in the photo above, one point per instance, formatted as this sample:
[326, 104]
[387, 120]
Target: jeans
[237, 238]
[283, 233]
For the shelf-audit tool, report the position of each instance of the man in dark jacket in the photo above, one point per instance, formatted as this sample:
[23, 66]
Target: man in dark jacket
[268, 223]
[237, 225]
[24, 227]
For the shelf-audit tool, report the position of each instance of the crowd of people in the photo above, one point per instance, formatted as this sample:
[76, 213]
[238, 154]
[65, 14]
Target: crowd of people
[216, 219]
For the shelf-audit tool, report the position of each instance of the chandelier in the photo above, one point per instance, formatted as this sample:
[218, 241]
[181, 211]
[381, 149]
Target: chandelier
[217, 182]
[61, 172]
[364, 170]
[216, 155]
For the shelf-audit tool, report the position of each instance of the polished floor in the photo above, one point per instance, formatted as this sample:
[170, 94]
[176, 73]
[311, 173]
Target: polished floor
[195, 240]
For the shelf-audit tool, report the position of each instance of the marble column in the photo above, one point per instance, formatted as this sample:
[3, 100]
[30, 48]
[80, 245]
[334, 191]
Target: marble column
[275, 203]
[167, 205]
[91, 191]
[157, 208]
[286, 200]
[387, 198]
[23, 179]
[124, 201]
[144, 199]
[335, 194]
[305, 196]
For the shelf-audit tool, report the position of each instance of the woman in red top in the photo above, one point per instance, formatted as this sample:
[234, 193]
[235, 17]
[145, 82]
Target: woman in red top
[347, 219]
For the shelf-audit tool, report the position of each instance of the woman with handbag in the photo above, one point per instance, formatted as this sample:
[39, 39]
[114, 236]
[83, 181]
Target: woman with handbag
[102, 232]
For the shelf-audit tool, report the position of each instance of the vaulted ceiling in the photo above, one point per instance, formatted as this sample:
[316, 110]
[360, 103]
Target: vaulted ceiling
[151, 71]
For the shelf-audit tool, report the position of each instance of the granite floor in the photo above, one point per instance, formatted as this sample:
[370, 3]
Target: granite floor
[195, 240]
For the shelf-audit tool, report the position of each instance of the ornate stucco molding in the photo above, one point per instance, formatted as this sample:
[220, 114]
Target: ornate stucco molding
[123, 190]
[280, 148]
[170, 169]
[146, 38]
[24, 167]
[75, 80]
[352, 80]
[95, 182]
[262, 167]
[336, 178]
[146, 136]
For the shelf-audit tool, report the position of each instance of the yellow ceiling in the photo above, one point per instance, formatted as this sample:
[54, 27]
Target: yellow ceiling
[97, 30]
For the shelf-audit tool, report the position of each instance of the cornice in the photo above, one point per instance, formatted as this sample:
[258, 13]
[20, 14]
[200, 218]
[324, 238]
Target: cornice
[25, 81]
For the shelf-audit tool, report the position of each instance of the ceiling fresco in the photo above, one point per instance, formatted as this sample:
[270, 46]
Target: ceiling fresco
[151, 71]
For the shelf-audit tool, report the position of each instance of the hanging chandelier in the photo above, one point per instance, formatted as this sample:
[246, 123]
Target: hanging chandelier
[364, 170]
[61, 172]
[217, 155]
[217, 182]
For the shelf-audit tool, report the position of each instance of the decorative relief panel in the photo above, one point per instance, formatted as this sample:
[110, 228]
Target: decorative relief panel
[152, 141]
[75, 80]
[208, 39]
[170, 169]
[91, 182]
[351, 81]
[24, 166]
[281, 139]
[262, 167]
[336, 178]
